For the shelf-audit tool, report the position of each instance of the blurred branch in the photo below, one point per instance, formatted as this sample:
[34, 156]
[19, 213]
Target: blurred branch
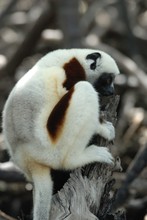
[135, 168]
[6, 11]
[28, 44]
[3, 216]
[126, 17]
[128, 102]
[88, 18]
[69, 20]
[10, 173]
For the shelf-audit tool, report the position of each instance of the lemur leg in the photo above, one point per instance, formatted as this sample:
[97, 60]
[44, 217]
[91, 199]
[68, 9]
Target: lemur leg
[80, 124]
[89, 155]
[42, 191]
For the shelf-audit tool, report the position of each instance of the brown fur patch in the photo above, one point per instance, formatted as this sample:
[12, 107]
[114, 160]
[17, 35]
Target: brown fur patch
[57, 117]
[74, 73]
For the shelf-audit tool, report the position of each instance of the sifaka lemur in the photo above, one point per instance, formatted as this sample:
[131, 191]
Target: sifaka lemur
[52, 113]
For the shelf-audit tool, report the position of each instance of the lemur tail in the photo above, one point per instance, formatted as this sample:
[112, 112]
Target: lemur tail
[41, 177]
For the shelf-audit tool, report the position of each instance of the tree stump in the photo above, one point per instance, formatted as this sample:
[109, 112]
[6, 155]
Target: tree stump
[86, 195]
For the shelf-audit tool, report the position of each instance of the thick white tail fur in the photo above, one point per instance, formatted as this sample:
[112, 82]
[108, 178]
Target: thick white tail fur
[42, 192]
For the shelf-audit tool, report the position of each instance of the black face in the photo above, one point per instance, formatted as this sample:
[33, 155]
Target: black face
[104, 84]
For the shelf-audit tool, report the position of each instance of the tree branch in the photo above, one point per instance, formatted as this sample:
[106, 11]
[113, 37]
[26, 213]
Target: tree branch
[86, 195]
[28, 44]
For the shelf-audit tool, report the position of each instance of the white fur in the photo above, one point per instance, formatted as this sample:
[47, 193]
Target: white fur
[28, 108]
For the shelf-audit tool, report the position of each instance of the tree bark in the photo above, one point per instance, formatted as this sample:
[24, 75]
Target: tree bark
[86, 194]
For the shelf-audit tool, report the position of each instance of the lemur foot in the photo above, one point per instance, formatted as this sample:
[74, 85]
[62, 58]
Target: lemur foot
[107, 130]
[106, 155]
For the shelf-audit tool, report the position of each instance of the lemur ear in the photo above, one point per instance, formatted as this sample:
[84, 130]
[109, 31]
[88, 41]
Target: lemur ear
[94, 57]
